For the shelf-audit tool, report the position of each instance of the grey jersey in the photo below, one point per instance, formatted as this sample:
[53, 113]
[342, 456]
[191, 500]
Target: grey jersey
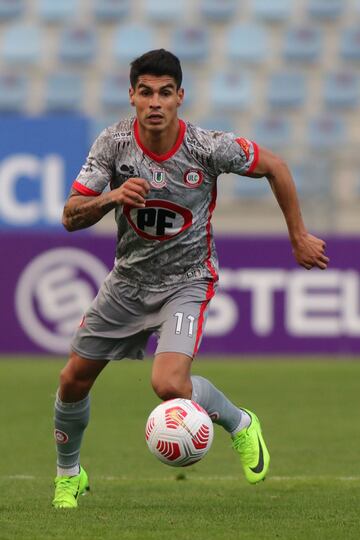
[170, 240]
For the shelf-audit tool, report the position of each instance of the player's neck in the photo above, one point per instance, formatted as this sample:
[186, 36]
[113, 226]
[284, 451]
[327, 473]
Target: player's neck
[159, 142]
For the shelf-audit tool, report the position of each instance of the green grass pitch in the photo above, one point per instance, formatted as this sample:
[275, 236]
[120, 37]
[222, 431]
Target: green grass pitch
[310, 416]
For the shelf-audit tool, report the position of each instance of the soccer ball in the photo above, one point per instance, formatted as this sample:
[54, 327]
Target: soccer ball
[179, 432]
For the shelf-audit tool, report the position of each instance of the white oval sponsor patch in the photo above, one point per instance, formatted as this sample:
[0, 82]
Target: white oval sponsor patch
[159, 220]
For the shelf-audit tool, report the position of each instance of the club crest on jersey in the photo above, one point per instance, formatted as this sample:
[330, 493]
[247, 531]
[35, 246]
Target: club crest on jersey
[193, 178]
[158, 180]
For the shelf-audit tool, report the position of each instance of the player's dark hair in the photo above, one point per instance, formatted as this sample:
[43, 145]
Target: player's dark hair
[157, 62]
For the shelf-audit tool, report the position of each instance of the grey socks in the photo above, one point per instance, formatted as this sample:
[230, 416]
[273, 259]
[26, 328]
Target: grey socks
[218, 407]
[71, 420]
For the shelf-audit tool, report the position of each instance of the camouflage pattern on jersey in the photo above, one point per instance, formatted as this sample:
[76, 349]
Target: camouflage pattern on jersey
[170, 240]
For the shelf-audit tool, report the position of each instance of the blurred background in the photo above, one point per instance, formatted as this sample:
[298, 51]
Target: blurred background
[284, 73]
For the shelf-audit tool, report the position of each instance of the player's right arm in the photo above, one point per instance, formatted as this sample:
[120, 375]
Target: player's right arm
[82, 211]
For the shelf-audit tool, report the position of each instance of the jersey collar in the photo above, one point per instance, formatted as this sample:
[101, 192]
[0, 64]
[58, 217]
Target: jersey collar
[171, 152]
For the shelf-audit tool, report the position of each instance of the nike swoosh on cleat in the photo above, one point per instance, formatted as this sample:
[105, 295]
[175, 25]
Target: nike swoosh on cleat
[260, 465]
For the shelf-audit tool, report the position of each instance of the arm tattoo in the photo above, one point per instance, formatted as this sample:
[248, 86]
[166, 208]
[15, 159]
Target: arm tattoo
[80, 212]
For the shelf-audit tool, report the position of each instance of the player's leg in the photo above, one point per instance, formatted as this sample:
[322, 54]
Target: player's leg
[181, 334]
[72, 410]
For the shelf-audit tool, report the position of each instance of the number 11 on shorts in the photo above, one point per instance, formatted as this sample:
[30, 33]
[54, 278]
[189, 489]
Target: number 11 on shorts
[179, 323]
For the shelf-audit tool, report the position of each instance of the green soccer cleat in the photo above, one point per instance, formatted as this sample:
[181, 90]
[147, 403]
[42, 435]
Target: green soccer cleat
[68, 489]
[254, 455]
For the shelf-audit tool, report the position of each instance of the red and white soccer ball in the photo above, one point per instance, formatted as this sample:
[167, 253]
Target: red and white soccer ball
[179, 432]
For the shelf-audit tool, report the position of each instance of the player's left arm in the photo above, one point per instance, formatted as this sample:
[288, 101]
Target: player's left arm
[309, 251]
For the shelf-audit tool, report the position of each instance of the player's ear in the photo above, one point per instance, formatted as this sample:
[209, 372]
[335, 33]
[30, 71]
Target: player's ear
[180, 96]
[131, 96]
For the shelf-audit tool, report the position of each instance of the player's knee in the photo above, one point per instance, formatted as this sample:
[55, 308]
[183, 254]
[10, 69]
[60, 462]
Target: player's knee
[171, 389]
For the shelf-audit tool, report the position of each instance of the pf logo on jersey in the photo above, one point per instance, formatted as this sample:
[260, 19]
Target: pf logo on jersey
[193, 178]
[159, 220]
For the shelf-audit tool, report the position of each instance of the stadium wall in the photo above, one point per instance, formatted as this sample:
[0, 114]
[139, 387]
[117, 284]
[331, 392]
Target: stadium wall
[265, 304]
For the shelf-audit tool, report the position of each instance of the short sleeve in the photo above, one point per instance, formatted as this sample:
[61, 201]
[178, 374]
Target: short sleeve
[235, 155]
[97, 171]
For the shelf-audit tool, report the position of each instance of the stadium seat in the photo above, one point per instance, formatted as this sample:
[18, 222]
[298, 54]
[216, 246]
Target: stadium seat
[350, 43]
[111, 10]
[64, 92]
[272, 10]
[13, 92]
[191, 44]
[217, 123]
[272, 131]
[11, 8]
[163, 10]
[53, 12]
[21, 44]
[286, 89]
[230, 91]
[303, 43]
[325, 9]
[115, 92]
[218, 11]
[326, 132]
[131, 41]
[77, 44]
[247, 42]
[341, 90]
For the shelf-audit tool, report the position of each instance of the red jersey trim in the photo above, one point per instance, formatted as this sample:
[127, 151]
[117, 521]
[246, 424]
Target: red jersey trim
[85, 190]
[208, 235]
[172, 151]
[255, 160]
[210, 291]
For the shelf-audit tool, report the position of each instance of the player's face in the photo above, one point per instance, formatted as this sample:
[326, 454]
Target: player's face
[156, 100]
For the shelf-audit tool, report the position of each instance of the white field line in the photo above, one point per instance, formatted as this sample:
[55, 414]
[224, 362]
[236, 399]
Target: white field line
[194, 478]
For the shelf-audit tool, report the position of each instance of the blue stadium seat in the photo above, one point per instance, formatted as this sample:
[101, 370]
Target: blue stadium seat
[64, 92]
[273, 10]
[21, 44]
[163, 10]
[111, 10]
[218, 11]
[230, 91]
[325, 9]
[11, 8]
[53, 12]
[115, 92]
[13, 92]
[247, 42]
[77, 44]
[350, 43]
[131, 41]
[218, 123]
[326, 132]
[191, 44]
[274, 132]
[286, 89]
[341, 90]
[303, 43]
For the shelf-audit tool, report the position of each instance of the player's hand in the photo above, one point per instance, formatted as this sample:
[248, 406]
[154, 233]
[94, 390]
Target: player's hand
[132, 192]
[309, 252]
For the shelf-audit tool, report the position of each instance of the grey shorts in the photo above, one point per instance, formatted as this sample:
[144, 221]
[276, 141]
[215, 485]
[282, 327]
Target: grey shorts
[122, 317]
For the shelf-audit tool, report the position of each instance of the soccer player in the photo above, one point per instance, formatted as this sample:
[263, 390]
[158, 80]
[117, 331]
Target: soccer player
[162, 172]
